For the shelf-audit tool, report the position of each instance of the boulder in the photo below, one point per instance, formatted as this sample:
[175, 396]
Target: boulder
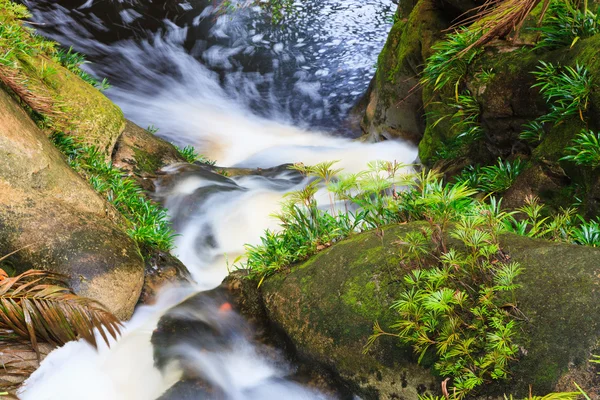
[57, 220]
[209, 322]
[328, 305]
[143, 155]
[395, 106]
[398, 107]
[162, 269]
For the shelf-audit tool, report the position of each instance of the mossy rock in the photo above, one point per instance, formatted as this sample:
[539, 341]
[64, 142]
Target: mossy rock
[395, 108]
[75, 107]
[328, 305]
[143, 155]
[58, 222]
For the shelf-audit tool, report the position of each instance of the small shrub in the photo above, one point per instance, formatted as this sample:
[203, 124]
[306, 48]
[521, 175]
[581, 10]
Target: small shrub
[492, 179]
[190, 154]
[585, 150]
[465, 121]
[566, 90]
[453, 308]
[533, 132]
[448, 64]
[565, 23]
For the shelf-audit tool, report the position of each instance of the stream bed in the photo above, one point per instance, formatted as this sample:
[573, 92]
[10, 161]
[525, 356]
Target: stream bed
[248, 93]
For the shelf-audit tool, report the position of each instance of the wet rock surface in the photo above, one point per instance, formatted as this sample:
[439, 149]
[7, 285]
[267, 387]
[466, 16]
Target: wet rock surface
[58, 221]
[327, 306]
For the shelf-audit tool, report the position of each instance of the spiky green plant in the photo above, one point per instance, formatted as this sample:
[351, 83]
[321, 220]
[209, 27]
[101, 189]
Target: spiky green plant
[453, 308]
[147, 222]
[493, 178]
[585, 150]
[566, 90]
[565, 24]
[448, 64]
[533, 132]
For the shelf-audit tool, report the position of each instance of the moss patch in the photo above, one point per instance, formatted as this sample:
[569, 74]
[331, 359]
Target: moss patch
[328, 306]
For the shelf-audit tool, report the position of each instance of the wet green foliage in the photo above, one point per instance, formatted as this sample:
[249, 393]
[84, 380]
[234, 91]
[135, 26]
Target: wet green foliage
[73, 61]
[493, 178]
[449, 63]
[147, 223]
[19, 42]
[534, 220]
[585, 150]
[551, 396]
[190, 154]
[566, 90]
[533, 132]
[456, 306]
[565, 23]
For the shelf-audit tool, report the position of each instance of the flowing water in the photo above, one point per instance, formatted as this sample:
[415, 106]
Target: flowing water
[247, 93]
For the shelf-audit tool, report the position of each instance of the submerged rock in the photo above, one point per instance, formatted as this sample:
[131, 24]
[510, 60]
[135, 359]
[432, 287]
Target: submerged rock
[328, 305]
[206, 337]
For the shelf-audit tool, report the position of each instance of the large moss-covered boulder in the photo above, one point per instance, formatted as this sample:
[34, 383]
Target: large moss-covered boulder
[328, 305]
[58, 221]
[500, 80]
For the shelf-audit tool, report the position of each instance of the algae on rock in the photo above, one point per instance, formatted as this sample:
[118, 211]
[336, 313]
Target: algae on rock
[328, 304]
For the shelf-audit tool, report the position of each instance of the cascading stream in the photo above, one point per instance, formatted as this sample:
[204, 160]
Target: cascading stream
[245, 93]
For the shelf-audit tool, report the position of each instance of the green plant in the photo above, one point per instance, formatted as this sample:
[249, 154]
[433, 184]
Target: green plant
[449, 63]
[492, 179]
[147, 222]
[73, 61]
[533, 132]
[277, 9]
[551, 396]
[585, 150]
[566, 90]
[485, 76]
[465, 122]
[454, 305]
[565, 24]
[152, 129]
[188, 153]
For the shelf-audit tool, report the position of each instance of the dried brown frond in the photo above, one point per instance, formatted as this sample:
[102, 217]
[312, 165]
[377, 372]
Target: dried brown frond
[38, 103]
[500, 18]
[33, 309]
[16, 365]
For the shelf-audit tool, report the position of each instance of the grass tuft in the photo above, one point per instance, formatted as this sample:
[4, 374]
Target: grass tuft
[147, 222]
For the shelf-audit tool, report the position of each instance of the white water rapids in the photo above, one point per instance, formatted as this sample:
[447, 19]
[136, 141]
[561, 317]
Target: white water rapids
[206, 93]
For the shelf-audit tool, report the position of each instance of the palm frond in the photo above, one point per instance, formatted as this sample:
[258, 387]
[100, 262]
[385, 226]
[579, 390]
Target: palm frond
[36, 306]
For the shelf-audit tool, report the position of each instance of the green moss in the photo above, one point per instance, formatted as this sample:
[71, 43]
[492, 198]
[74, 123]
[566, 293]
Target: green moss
[328, 306]
[554, 145]
[408, 43]
[361, 297]
[68, 103]
[146, 162]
